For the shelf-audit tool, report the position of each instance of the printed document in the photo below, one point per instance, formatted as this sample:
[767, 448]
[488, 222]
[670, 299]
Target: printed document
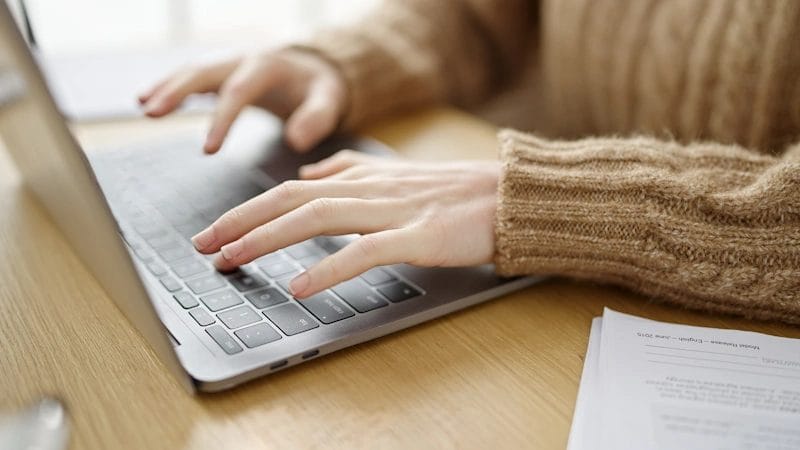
[655, 385]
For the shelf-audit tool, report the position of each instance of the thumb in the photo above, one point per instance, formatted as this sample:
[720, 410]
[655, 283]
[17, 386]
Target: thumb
[315, 118]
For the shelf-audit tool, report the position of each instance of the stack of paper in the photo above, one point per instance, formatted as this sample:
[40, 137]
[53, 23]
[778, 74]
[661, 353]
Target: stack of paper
[655, 385]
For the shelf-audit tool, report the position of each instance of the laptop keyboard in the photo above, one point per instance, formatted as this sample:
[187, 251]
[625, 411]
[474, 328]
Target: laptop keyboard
[159, 210]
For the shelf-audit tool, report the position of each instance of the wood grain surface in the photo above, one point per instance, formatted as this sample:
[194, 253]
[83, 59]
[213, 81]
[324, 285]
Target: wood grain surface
[502, 375]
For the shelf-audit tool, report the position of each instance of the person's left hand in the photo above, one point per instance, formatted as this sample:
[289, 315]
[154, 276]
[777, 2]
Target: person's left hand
[425, 214]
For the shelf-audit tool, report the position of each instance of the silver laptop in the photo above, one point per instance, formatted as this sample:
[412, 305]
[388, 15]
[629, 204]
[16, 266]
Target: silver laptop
[129, 213]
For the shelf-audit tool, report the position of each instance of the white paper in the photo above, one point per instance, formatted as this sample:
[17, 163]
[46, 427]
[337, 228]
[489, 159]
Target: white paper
[666, 386]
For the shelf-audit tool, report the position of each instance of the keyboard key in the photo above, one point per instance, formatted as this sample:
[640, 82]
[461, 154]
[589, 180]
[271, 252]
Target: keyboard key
[285, 284]
[149, 229]
[359, 296]
[186, 299]
[144, 254]
[247, 281]
[177, 213]
[326, 308]
[202, 317]
[221, 300]
[188, 230]
[171, 284]
[223, 339]
[171, 254]
[156, 269]
[153, 232]
[239, 317]
[265, 298]
[162, 241]
[258, 334]
[143, 224]
[290, 319]
[397, 292]
[303, 250]
[267, 260]
[328, 244]
[309, 261]
[377, 276]
[278, 269]
[188, 267]
[205, 284]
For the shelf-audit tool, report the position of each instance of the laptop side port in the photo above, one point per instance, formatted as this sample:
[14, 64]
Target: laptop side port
[278, 365]
[310, 354]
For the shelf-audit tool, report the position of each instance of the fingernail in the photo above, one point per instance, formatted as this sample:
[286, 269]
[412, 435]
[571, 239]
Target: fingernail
[232, 250]
[204, 238]
[299, 284]
[211, 142]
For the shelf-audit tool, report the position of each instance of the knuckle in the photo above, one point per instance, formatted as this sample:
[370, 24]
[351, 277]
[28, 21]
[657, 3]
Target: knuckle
[195, 78]
[332, 268]
[368, 246]
[233, 88]
[230, 219]
[289, 190]
[323, 208]
[436, 226]
[266, 232]
[170, 95]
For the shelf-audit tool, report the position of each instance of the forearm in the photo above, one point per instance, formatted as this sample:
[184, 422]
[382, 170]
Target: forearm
[707, 226]
[411, 53]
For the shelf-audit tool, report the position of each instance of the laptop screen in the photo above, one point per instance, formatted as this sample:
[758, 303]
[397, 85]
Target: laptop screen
[55, 169]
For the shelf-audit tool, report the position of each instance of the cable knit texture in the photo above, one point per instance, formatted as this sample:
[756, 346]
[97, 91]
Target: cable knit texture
[692, 196]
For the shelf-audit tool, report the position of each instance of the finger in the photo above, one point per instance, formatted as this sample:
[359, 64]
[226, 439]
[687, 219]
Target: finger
[249, 81]
[378, 249]
[274, 203]
[171, 93]
[146, 95]
[323, 216]
[342, 160]
[315, 118]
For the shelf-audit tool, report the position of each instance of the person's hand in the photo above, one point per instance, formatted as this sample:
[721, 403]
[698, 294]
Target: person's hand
[433, 214]
[300, 87]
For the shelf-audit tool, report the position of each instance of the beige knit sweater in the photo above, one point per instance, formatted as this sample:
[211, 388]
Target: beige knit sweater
[691, 195]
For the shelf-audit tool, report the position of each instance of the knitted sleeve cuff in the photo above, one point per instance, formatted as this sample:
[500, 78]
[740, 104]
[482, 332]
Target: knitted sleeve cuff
[621, 210]
[562, 209]
[707, 226]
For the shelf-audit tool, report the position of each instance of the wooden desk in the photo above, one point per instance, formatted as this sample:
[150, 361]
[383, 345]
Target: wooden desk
[501, 375]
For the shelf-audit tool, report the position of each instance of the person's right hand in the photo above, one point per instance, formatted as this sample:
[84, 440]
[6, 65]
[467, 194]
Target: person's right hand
[299, 87]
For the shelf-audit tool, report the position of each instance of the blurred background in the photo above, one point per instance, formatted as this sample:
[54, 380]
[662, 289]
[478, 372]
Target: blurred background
[98, 54]
[96, 26]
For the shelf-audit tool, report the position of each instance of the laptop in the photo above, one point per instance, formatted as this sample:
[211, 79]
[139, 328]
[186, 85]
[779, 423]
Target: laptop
[129, 213]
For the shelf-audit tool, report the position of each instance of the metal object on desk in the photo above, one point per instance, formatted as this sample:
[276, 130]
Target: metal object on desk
[42, 426]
